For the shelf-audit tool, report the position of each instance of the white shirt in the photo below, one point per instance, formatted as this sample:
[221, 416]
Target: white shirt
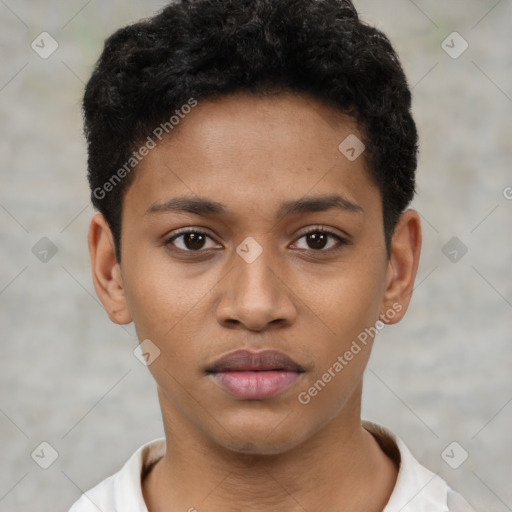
[416, 490]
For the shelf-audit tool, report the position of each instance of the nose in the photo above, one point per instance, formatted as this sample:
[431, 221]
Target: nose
[256, 295]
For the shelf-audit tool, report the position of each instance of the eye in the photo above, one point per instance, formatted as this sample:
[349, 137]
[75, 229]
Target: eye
[318, 240]
[192, 240]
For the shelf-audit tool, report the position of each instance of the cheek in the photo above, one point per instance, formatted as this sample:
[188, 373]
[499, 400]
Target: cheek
[346, 306]
[158, 294]
[167, 314]
[346, 300]
[350, 310]
[167, 305]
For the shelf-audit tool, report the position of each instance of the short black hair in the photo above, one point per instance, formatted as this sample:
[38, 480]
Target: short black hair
[205, 49]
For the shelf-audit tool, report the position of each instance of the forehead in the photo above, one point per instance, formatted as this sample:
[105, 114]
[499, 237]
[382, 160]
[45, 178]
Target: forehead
[290, 116]
[244, 148]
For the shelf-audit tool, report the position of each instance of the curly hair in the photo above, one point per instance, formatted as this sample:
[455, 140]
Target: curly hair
[198, 49]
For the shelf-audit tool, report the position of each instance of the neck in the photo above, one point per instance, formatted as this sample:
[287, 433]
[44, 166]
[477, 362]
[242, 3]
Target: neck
[341, 467]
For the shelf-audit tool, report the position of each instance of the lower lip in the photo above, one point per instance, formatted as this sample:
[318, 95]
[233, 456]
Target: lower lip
[255, 385]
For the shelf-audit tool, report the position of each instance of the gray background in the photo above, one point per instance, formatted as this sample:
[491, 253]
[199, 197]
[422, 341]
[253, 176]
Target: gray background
[68, 375]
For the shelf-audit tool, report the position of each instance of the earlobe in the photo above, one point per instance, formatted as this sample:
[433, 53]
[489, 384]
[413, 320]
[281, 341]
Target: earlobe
[106, 271]
[402, 267]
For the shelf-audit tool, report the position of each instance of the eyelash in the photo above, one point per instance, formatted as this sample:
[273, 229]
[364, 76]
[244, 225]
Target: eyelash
[341, 241]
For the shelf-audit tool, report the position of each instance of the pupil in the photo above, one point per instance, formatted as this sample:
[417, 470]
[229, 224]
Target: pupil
[194, 238]
[317, 239]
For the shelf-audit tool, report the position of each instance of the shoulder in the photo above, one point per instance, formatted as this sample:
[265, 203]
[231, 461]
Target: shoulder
[122, 489]
[417, 489]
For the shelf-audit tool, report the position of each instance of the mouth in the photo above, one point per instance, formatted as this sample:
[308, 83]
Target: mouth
[255, 375]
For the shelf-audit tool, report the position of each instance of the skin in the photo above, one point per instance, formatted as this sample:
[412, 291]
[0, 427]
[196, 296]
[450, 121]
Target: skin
[303, 298]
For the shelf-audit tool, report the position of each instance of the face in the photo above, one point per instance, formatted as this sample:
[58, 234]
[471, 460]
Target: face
[250, 229]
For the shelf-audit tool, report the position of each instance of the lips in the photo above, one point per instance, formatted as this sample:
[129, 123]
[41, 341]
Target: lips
[245, 361]
[255, 375]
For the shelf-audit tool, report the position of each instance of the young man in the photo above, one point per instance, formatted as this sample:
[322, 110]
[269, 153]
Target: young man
[252, 162]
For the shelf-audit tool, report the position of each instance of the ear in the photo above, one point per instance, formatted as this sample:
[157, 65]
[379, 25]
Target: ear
[402, 267]
[106, 271]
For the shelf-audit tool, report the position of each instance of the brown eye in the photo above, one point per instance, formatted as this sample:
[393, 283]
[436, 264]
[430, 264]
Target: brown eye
[190, 241]
[318, 240]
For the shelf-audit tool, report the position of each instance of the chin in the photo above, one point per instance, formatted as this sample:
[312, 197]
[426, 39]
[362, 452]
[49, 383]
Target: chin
[259, 436]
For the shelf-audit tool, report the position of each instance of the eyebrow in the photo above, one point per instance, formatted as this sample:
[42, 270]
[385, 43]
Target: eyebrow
[203, 206]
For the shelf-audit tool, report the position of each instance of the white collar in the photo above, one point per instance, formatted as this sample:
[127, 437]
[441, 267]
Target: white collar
[417, 489]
